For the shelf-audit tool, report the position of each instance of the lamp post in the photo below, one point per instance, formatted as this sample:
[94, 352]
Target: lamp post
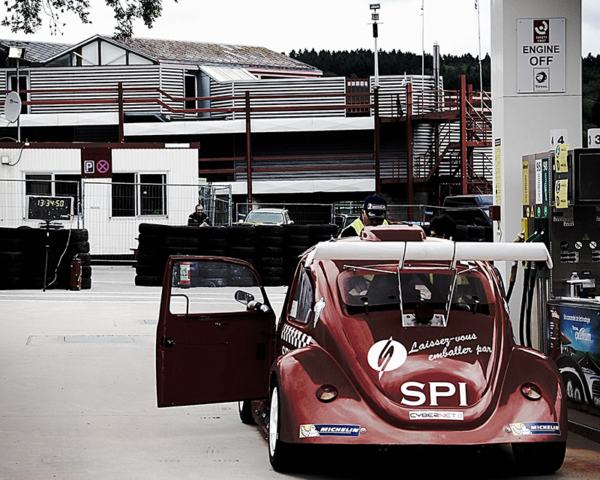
[17, 53]
[375, 17]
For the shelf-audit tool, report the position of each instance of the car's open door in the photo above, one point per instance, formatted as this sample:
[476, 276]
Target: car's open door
[211, 347]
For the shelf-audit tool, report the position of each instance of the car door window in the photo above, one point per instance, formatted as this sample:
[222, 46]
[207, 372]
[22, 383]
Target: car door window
[202, 286]
[302, 303]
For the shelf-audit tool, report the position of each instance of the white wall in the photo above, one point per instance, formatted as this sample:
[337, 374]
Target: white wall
[108, 235]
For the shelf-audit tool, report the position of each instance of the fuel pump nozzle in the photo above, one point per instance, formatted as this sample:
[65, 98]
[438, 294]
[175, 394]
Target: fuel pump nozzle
[515, 266]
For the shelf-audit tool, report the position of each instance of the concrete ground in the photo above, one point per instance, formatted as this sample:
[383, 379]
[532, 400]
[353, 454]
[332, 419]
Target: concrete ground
[78, 400]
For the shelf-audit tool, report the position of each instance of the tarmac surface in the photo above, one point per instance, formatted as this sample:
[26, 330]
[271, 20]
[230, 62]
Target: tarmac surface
[78, 401]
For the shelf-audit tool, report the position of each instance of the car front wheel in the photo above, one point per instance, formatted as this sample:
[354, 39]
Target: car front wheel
[542, 458]
[280, 453]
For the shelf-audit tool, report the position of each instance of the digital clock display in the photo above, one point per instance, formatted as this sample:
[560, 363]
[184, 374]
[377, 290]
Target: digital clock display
[50, 208]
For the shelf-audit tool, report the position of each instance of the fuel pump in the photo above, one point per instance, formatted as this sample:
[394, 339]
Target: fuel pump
[562, 199]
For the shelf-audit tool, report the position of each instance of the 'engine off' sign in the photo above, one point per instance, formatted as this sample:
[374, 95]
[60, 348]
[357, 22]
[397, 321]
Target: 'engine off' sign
[541, 51]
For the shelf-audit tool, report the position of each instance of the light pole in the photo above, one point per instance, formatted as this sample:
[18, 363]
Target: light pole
[375, 17]
[17, 52]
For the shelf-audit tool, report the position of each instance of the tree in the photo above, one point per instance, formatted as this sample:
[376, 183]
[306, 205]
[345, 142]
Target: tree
[26, 15]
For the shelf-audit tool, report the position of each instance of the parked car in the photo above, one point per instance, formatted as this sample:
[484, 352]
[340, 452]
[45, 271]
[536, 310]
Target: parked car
[390, 338]
[342, 220]
[471, 214]
[272, 216]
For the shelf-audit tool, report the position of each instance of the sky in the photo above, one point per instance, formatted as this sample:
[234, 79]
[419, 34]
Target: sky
[285, 25]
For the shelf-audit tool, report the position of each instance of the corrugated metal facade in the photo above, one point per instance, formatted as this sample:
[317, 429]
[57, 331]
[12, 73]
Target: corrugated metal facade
[334, 85]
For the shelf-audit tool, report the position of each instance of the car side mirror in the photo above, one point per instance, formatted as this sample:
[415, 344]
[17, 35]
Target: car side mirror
[243, 297]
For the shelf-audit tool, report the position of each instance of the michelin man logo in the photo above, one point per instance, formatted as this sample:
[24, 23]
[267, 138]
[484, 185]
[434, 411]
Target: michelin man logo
[386, 355]
[308, 431]
[520, 429]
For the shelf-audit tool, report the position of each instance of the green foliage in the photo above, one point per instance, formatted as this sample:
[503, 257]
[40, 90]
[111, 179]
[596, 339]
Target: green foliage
[360, 64]
[26, 15]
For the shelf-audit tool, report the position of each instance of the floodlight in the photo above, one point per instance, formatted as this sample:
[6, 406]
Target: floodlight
[15, 52]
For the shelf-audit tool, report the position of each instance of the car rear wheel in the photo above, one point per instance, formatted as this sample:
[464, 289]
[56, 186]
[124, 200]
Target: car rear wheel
[280, 453]
[539, 458]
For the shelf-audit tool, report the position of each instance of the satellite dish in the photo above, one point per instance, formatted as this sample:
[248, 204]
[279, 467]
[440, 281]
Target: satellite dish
[12, 106]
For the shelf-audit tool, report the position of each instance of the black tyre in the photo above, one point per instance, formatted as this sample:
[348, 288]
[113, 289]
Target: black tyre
[298, 240]
[182, 251]
[281, 454]
[245, 411]
[147, 281]
[269, 231]
[145, 259]
[154, 240]
[181, 242]
[149, 270]
[214, 252]
[78, 247]
[271, 261]
[242, 252]
[269, 252]
[7, 258]
[573, 387]
[269, 281]
[182, 232]
[543, 458]
[86, 283]
[86, 271]
[296, 230]
[85, 258]
[10, 283]
[271, 272]
[154, 229]
[270, 241]
[10, 244]
[212, 232]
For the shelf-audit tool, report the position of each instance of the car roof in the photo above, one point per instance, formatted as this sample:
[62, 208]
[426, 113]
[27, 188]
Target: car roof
[269, 210]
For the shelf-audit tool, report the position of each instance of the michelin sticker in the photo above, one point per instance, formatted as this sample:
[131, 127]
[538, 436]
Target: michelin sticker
[319, 306]
[307, 431]
[535, 428]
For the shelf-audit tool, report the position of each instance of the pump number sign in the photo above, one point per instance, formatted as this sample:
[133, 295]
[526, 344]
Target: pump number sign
[541, 55]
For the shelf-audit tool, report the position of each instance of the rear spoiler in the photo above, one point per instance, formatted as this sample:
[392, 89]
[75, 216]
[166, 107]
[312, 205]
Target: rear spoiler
[435, 251]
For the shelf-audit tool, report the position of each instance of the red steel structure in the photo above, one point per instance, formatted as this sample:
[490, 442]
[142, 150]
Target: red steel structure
[441, 108]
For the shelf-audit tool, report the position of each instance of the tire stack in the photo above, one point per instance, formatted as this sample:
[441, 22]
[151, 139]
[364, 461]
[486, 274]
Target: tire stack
[213, 241]
[12, 259]
[322, 233]
[296, 240]
[152, 254]
[242, 243]
[23, 256]
[269, 254]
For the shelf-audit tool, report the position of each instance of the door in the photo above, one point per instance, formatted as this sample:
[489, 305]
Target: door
[209, 346]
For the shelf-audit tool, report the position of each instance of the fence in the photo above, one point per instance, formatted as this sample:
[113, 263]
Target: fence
[300, 213]
[112, 211]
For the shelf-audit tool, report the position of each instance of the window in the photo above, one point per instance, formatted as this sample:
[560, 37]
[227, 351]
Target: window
[53, 185]
[302, 299]
[23, 85]
[137, 194]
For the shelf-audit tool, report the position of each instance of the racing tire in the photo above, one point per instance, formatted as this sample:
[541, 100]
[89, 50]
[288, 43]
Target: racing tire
[86, 283]
[78, 247]
[145, 281]
[269, 231]
[245, 411]
[543, 458]
[573, 387]
[281, 454]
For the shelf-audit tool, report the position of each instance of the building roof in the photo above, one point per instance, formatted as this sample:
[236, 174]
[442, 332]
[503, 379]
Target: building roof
[171, 51]
[35, 52]
[211, 53]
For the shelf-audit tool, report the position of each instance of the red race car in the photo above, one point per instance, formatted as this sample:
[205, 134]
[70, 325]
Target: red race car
[387, 339]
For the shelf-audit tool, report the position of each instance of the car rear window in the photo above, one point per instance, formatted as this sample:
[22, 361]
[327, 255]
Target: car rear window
[380, 291]
[264, 217]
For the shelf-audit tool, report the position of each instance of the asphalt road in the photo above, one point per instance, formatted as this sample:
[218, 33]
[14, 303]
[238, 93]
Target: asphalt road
[78, 401]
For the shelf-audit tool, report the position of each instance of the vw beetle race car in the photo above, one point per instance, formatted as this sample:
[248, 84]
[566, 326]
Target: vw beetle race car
[387, 339]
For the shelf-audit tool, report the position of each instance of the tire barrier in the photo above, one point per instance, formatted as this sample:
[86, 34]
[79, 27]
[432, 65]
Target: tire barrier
[274, 250]
[23, 258]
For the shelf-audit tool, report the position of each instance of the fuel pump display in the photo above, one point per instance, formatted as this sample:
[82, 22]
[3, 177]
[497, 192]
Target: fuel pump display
[561, 202]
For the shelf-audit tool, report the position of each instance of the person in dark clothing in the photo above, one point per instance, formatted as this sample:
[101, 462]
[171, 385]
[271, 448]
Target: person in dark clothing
[373, 213]
[198, 218]
[443, 226]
